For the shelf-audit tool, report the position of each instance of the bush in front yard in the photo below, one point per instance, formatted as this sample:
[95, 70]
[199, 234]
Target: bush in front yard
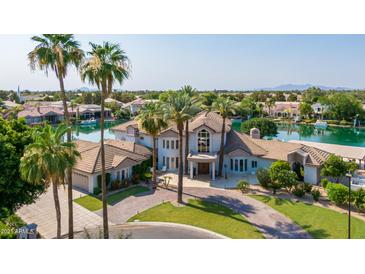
[243, 186]
[298, 190]
[97, 191]
[263, 176]
[358, 198]
[307, 187]
[337, 193]
[316, 194]
[116, 184]
[324, 183]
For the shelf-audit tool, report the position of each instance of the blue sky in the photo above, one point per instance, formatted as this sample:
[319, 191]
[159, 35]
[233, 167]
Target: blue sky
[207, 62]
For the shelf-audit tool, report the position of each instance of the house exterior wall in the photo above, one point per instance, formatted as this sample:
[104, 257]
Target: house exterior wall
[311, 174]
[251, 167]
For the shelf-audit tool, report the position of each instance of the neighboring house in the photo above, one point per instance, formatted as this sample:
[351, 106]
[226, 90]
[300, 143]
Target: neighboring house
[283, 109]
[134, 106]
[319, 109]
[9, 104]
[244, 154]
[111, 101]
[39, 114]
[88, 111]
[120, 157]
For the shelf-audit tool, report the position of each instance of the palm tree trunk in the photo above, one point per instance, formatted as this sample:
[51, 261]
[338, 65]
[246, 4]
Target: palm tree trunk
[180, 180]
[153, 161]
[221, 151]
[102, 157]
[69, 171]
[186, 146]
[57, 207]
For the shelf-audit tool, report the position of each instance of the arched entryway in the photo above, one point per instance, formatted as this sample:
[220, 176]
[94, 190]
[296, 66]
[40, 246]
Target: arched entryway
[298, 168]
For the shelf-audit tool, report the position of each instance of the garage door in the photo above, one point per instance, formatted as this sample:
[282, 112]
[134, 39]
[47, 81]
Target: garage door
[80, 181]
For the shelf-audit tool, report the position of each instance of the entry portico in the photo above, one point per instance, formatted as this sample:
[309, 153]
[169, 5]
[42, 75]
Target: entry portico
[203, 163]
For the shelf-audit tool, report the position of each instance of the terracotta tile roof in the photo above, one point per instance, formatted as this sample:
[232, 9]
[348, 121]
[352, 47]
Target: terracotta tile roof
[316, 155]
[117, 153]
[236, 140]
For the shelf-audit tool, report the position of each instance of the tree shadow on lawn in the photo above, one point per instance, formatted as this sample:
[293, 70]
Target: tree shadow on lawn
[138, 194]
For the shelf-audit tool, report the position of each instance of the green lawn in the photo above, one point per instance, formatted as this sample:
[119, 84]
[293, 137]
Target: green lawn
[93, 203]
[321, 223]
[202, 214]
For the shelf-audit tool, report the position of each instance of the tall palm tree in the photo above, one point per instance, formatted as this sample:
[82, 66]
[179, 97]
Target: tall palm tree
[191, 92]
[151, 119]
[178, 109]
[45, 162]
[270, 102]
[224, 106]
[57, 52]
[106, 64]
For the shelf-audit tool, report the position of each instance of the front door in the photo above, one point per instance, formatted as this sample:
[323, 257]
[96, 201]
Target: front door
[203, 168]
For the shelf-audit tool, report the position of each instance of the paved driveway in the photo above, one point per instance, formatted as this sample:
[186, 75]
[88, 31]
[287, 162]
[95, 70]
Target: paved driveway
[43, 213]
[270, 222]
[153, 230]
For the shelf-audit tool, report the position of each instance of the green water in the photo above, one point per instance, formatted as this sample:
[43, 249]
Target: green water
[331, 135]
[92, 132]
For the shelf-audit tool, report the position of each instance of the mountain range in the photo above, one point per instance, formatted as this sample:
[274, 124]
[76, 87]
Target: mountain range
[288, 87]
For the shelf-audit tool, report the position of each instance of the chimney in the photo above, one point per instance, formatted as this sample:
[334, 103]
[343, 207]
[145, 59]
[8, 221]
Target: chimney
[255, 133]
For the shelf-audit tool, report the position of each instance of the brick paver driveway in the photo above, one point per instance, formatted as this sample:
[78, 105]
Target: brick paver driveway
[43, 213]
[270, 222]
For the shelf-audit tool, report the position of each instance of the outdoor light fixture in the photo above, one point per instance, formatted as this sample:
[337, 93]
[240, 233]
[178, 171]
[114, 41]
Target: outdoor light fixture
[349, 176]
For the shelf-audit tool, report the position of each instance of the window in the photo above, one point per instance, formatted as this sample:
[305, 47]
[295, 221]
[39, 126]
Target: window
[163, 161]
[172, 162]
[141, 137]
[167, 162]
[177, 144]
[203, 141]
[236, 165]
[241, 165]
[163, 143]
[177, 162]
[245, 164]
[123, 174]
[172, 144]
[167, 144]
[231, 164]
[254, 164]
[118, 175]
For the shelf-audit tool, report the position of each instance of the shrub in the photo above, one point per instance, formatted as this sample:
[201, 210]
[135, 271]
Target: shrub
[316, 194]
[14, 221]
[307, 187]
[116, 184]
[243, 186]
[107, 180]
[125, 183]
[266, 126]
[324, 183]
[298, 190]
[97, 190]
[263, 176]
[337, 193]
[358, 198]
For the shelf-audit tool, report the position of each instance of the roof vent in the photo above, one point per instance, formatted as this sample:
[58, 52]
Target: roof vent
[255, 133]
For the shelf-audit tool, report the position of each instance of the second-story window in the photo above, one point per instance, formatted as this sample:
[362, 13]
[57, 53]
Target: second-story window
[167, 144]
[177, 144]
[203, 141]
[172, 144]
[163, 143]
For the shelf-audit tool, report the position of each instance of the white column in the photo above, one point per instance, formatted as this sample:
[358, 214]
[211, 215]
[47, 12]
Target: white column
[191, 170]
[213, 171]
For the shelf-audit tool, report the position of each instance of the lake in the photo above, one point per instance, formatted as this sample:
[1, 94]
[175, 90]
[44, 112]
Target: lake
[331, 135]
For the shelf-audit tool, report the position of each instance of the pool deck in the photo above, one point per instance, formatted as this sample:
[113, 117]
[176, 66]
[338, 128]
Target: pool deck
[348, 152]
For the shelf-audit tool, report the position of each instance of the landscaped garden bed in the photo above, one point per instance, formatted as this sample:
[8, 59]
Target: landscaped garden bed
[203, 214]
[94, 203]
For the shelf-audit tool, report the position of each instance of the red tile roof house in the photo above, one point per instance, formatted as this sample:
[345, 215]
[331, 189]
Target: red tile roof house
[284, 109]
[244, 154]
[38, 114]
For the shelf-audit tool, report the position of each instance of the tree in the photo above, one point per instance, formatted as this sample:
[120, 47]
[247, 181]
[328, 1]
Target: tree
[57, 52]
[207, 98]
[305, 109]
[281, 175]
[248, 107]
[177, 109]
[269, 103]
[279, 97]
[335, 167]
[266, 126]
[344, 106]
[106, 64]
[151, 119]
[224, 107]
[312, 95]
[292, 97]
[45, 161]
[14, 192]
[192, 104]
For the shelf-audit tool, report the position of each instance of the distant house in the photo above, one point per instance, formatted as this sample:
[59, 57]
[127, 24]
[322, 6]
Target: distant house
[134, 106]
[319, 109]
[88, 111]
[9, 104]
[113, 101]
[39, 114]
[244, 154]
[283, 109]
[120, 157]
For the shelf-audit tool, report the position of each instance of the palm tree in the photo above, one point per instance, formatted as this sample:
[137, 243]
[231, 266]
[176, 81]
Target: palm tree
[45, 162]
[191, 92]
[57, 52]
[270, 102]
[178, 109]
[106, 64]
[224, 106]
[151, 119]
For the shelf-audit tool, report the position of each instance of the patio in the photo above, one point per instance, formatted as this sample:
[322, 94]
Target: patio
[206, 181]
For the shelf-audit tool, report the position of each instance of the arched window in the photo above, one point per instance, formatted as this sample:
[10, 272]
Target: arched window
[203, 141]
